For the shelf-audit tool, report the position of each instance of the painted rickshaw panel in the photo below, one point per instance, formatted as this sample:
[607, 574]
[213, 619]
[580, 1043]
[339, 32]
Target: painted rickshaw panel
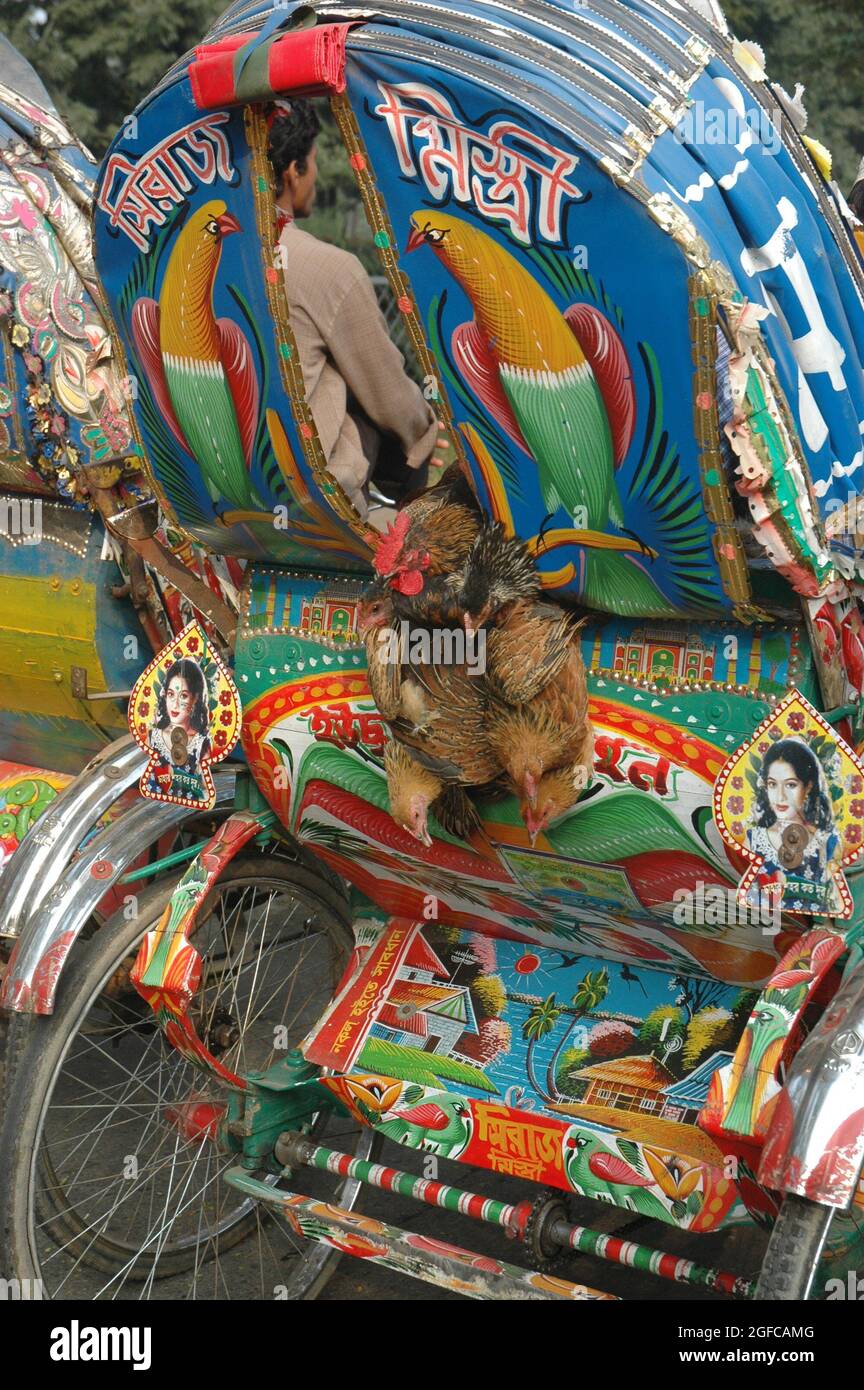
[604, 876]
[257, 495]
[595, 899]
[58, 612]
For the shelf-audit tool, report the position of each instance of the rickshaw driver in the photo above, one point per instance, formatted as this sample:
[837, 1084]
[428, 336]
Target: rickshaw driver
[355, 378]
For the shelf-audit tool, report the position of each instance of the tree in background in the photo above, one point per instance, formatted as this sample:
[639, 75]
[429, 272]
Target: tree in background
[819, 44]
[100, 58]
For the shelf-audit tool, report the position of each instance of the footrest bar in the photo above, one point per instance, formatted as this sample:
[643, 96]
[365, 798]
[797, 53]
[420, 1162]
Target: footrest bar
[432, 1261]
[295, 1150]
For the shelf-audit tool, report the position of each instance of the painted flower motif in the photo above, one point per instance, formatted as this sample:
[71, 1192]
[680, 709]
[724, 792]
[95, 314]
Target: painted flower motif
[58, 424]
[144, 708]
[220, 738]
[735, 805]
[853, 834]
[24, 212]
[856, 808]
[147, 690]
[43, 394]
[796, 720]
[193, 644]
[764, 746]
[225, 697]
[33, 363]
[20, 335]
[855, 785]
[737, 784]
[737, 830]
[774, 734]
[226, 717]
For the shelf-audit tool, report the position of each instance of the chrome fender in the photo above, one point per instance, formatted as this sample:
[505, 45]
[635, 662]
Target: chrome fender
[815, 1144]
[50, 931]
[40, 861]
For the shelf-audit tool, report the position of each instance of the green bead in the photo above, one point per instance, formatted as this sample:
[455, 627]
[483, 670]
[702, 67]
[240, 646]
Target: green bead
[286, 350]
[262, 184]
[702, 307]
[711, 477]
[381, 239]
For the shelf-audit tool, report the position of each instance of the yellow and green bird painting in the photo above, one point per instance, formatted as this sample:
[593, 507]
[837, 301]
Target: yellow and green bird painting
[200, 368]
[560, 386]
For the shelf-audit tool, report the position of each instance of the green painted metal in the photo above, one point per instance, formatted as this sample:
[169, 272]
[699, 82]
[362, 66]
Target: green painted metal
[168, 861]
[283, 1097]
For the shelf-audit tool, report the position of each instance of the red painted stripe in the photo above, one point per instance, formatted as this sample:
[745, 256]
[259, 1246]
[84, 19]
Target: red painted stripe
[667, 1266]
[476, 1205]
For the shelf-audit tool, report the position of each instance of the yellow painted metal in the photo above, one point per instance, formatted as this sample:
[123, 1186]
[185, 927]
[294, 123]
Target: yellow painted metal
[47, 626]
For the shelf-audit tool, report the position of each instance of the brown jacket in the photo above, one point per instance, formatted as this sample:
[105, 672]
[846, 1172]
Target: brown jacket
[344, 346]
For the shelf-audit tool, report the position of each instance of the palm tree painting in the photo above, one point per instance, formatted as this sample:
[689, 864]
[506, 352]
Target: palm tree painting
[588, 996]
[537, 1026]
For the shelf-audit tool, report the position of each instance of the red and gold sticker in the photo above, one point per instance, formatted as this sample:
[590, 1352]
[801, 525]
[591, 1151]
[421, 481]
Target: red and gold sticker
[791, 801]
[185, 712]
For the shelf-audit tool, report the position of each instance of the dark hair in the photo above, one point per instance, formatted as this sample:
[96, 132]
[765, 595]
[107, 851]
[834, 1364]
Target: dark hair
[192, 674]
[805, 764]
[292, 135]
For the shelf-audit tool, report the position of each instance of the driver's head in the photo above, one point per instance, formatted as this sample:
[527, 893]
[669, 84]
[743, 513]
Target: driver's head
[293, 155]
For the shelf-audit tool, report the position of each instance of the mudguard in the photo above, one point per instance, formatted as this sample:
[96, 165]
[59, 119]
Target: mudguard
[68, 893]
[815, 1145]
[39, 863]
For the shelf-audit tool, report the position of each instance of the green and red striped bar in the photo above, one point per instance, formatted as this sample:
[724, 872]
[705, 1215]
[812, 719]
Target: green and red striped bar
[436, 1194]
[513, 1219]
[635, 1256]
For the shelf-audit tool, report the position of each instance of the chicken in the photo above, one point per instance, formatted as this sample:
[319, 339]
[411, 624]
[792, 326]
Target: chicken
[527, 649]
[375, 624]
[430, 537]
[496, 572]
[547, 733]
[414, 790]
[558, 790]
[454, 740]
[520, 725]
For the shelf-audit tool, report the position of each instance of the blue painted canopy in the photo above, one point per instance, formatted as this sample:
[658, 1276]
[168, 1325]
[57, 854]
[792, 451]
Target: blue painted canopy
[629, 283]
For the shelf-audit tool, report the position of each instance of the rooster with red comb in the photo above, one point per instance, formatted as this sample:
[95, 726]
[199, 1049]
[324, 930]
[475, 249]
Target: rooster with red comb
[428, 541]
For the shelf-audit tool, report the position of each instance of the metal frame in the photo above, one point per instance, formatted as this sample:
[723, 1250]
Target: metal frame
[815, 1147]
[49, 900]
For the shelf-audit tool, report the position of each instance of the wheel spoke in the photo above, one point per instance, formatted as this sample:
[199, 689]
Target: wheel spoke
[270, 951]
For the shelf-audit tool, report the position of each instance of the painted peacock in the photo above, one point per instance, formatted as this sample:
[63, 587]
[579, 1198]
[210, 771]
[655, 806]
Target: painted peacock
[559, 385]
[200, 368]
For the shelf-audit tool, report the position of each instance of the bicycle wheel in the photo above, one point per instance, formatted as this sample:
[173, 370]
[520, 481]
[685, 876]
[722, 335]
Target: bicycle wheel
[114, 1184]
